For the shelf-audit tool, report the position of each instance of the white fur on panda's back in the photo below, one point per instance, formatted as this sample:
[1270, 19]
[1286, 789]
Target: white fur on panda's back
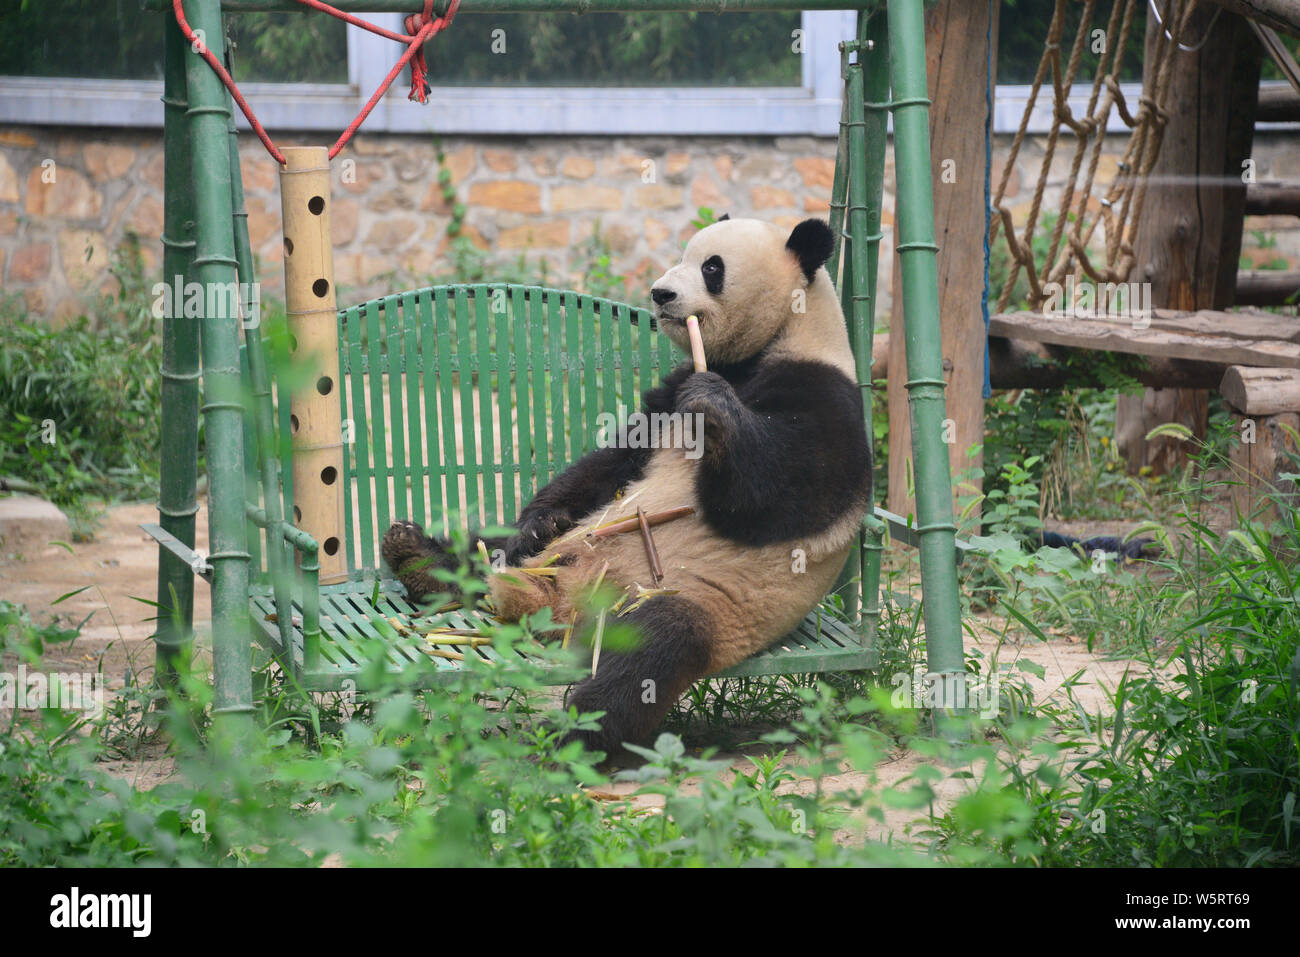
[751, 595]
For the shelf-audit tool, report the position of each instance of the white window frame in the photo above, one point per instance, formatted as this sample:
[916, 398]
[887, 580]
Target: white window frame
[813, 108]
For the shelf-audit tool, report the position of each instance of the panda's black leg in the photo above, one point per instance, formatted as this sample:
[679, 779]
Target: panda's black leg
[636, 688]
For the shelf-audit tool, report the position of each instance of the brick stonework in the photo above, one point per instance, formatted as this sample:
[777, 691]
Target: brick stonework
[562, 200]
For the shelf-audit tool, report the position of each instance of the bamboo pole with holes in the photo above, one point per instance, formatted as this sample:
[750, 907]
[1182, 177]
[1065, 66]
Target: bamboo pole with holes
[315, 423]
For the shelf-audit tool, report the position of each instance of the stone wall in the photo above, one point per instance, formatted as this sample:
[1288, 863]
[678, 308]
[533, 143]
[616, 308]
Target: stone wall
[70, 197]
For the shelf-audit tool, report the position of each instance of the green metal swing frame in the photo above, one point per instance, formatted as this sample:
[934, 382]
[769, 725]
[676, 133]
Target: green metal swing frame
[557, 358]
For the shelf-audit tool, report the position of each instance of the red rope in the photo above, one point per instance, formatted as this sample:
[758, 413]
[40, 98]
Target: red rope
[420, 28]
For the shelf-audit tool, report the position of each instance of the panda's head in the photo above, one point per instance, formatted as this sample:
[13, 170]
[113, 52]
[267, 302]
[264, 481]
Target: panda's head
[742, 278]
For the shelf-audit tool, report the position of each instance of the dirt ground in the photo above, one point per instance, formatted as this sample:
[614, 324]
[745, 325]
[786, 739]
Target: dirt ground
[120, 564]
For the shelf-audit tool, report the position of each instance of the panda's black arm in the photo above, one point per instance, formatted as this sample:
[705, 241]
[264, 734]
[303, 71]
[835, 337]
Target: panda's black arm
[589, 483]
[784, 456]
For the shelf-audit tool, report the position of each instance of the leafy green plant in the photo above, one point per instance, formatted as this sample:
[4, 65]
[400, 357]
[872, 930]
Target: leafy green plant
[704, 216]
[468, 774]
[79, 404]
[448, 191]
[599, 278]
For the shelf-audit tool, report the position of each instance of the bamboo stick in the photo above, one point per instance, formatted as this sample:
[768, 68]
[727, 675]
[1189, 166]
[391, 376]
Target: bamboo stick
[633, 524]
[656, 569]
[697, 343]
[472, 641]
[600, 635]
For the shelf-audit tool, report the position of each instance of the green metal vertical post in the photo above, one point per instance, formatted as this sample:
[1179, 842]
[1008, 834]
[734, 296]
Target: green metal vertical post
[873, 54]
[177, 504]
[278, 564]
[247, 279]
[854, 277]
[223, 408]
[839, 186]
[859, 187]
[925, 385]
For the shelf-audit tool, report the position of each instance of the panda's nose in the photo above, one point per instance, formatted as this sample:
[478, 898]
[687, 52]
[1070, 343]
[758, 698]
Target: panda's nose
[661, 296]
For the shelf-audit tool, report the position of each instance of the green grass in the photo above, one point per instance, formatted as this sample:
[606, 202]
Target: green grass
[1195, 760]
[80, 405]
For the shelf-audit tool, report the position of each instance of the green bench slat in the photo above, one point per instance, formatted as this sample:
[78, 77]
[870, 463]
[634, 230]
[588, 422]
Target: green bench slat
[348, 623]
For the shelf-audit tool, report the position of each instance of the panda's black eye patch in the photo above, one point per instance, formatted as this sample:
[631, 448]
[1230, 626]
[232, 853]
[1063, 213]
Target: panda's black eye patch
[713, 272]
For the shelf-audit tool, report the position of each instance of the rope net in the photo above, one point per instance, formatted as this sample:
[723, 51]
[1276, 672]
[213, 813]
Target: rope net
[420, 27]
[1120, 207]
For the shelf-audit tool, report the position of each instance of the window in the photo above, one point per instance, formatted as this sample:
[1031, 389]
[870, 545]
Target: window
[619, 49]
[113, 40]
[1022, 33]
[107, 39]
[636, 73]
[288, 47]
[553, 73]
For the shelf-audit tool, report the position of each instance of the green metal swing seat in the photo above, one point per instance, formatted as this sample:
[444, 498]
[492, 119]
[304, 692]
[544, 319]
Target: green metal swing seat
[458, 402]
[461, 401]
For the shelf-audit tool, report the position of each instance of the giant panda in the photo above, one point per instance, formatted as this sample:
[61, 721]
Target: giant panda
[779, 487]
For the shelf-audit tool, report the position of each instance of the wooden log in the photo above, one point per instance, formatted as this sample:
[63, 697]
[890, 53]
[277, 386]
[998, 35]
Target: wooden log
[1259, 458]
[1189, 236]
[1261, 391]
[1225, 338]
[1019, 364]
[1024, 364]
[957, 40]
[1281, 15]
[1268, 287]
[1278, 104]
[1273, 199]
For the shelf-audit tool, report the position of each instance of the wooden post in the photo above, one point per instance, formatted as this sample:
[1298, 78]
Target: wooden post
[1266, 406]
[957, 41]
[1189, 236]
[1260, 458]
[315, 422]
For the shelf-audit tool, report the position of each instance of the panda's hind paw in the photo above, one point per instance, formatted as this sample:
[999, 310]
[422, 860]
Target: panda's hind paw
[412, 556]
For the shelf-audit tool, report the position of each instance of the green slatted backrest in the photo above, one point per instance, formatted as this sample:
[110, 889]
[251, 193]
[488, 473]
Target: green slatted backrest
[462, 400]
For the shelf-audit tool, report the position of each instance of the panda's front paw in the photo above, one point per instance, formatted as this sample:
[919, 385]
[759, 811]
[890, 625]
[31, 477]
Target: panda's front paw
[710, 395]
[705, 392]
[535, 533]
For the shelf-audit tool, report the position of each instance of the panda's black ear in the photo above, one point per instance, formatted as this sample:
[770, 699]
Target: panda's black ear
[724, 217]
[811, 242]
